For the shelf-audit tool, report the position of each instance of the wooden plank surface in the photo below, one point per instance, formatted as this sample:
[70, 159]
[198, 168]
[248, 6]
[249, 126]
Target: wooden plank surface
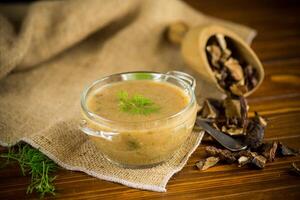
[278, 46]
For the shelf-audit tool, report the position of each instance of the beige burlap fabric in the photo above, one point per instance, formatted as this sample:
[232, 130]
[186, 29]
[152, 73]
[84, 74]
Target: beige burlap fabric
[50, 50]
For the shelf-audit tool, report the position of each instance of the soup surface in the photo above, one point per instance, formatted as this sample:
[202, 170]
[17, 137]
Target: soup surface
[120, 101]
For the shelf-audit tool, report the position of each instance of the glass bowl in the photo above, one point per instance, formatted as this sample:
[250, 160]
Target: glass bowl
[140, 144]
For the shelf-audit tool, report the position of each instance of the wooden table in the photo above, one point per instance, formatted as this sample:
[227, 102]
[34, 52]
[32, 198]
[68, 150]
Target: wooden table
[278, 46]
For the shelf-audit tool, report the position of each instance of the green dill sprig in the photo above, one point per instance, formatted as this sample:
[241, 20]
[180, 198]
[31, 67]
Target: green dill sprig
[137, 104]
[35, 163]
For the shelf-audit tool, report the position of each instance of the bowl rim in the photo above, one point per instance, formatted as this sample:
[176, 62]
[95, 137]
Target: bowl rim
[99, 119]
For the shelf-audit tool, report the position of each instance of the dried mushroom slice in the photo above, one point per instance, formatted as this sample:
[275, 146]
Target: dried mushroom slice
[259, 161]
[221, 41]
[207, 163]
[255, 132]
[232, 108]
[208, 110]
[247, 153]
[215, 54]
[244, 160]
[214, 124]
[223, 154]
[269, 151]
[229, 116]
[251, 77]
[225, 55]
[236, 115]
[295, 169]
[284, 150]
[238, 89]
[235, 69]
[244, 113]
[200, 164]
[233, 131]
[259, 119]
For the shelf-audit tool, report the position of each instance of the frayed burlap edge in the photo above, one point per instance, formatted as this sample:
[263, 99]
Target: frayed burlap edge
[115, 179]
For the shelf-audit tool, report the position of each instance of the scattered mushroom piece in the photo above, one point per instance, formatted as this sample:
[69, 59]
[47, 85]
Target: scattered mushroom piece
[223, 154]
[207, 163]
[234, 131]
[295, 169]
[208, 110]
[255, 132]
[286, 151]
[243, 160]
[259, 161]
[269, 151]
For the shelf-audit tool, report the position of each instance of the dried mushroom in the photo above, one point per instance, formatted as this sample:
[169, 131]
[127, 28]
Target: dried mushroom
[229, 116]
[207, 163]
[223, 154]
[238, 89]
[255, 131]
[232, 108]
[283, 150]
[256, 158]
[208, 110]
[233, 131]
[232, 72]
[215, 53]
[269, 151]
[247, 153]
[221, 41]
[259, 161]
[243, 160]
[251, 78]
[235, 69]
[295, 169]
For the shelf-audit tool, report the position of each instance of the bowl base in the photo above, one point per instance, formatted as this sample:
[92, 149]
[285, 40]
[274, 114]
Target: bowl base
[128, 166]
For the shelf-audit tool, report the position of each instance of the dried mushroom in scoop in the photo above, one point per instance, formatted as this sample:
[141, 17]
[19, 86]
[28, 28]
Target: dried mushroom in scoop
[233, 73]
[230, 115]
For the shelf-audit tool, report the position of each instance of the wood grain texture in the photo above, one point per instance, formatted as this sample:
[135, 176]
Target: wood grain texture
[278, 46]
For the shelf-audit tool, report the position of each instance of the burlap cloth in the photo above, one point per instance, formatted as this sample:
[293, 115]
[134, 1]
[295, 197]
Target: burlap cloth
[50, 50]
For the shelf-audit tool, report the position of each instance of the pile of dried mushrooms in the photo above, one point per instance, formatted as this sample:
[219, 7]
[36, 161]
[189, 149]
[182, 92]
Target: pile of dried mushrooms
[230, 115]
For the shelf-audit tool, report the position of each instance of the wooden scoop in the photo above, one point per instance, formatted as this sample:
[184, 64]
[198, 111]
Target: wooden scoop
[193, 43]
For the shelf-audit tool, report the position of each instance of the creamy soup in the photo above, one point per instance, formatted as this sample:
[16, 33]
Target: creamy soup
[168, 100]
[137, 129]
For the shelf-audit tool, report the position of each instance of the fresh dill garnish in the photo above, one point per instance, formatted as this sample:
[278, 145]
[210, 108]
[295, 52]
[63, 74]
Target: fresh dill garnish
[137, 104]
[35, 163]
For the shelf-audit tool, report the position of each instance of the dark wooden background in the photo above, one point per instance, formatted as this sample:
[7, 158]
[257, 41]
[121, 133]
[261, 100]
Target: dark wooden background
[278, 47]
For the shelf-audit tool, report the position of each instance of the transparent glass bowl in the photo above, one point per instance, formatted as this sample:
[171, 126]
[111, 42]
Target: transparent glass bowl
[140, 144]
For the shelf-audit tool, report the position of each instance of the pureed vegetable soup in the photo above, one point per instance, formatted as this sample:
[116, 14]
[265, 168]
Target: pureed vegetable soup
[131, 106]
